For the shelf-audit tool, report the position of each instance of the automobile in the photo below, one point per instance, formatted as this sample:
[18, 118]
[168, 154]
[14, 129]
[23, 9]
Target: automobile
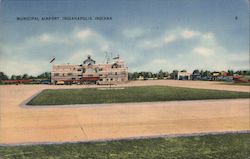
[60, 83]
[68, 83]
[45, 82]
[228, 78]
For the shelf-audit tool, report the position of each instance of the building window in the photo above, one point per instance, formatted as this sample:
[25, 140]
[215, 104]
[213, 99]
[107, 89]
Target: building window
[90, 70]
[69, 74]
[114, 65]
[83, 70]
[56, 74]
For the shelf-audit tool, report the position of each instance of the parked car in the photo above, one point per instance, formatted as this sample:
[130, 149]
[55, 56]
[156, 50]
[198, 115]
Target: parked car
[60, 83]
[45, 82]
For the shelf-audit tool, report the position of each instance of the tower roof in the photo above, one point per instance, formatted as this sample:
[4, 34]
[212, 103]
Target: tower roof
[88, 61]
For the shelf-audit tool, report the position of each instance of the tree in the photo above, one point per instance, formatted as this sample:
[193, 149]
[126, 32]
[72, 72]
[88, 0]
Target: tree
[166, 74]
[3, 76]
[174, 74]
[202, 73]
[230, 72]
[25, 76]
[248, 72]
[160, 75]
[13, 77]
[32, 77]
[145, 75]
[18, 77]
[154, 75]
[206, 73]
[45, 75]
[150, 75]
[196, 72]
[135, 75]
[142, 74]
[130, 76]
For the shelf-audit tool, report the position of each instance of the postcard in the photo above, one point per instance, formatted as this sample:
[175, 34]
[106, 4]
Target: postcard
[124, 79]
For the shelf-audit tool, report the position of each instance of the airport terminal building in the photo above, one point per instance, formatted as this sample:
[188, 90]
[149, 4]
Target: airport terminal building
[90, 73]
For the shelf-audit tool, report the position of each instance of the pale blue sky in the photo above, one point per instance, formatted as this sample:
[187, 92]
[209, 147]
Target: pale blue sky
[148, 35]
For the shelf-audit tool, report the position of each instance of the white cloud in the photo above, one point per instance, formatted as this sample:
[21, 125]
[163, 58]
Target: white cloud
[147, 52]
[133, 33]
[45, 38]
[90, 39]
[173, 36]
[105, 47]
[206, 52]
[148, 44]
[170, 38]
[85, 33]
[33, 67]
[187, 34]
[154, 65]
[66, 47]
[81, 54]
[209, 36]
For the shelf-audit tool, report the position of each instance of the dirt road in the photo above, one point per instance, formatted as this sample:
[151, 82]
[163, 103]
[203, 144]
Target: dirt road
[109, 121]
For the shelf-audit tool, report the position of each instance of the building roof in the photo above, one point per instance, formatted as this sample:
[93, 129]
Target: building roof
[89, 60]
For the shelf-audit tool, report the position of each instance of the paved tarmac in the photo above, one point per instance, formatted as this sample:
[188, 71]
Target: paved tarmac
[22, 125]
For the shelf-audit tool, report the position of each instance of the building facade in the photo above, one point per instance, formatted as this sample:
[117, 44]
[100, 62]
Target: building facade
[184, 76]
[91, 73]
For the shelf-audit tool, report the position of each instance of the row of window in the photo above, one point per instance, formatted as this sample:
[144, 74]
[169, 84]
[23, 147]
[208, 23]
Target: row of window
[73, 74]
[66, 74]
[84, 69]
[112, 79]
[69, 69]
[115, 73]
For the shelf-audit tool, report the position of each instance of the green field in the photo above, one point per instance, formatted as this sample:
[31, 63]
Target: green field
[227, 146]
[129, 94]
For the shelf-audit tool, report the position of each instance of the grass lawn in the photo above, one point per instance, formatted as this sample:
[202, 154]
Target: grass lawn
[129, 94]
[210, 146]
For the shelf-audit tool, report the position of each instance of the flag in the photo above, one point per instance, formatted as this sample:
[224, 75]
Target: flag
[52, 60]
[115, 58]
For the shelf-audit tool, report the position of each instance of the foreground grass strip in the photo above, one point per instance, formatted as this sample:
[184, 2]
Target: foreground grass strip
[129, 94]
[210, 146]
